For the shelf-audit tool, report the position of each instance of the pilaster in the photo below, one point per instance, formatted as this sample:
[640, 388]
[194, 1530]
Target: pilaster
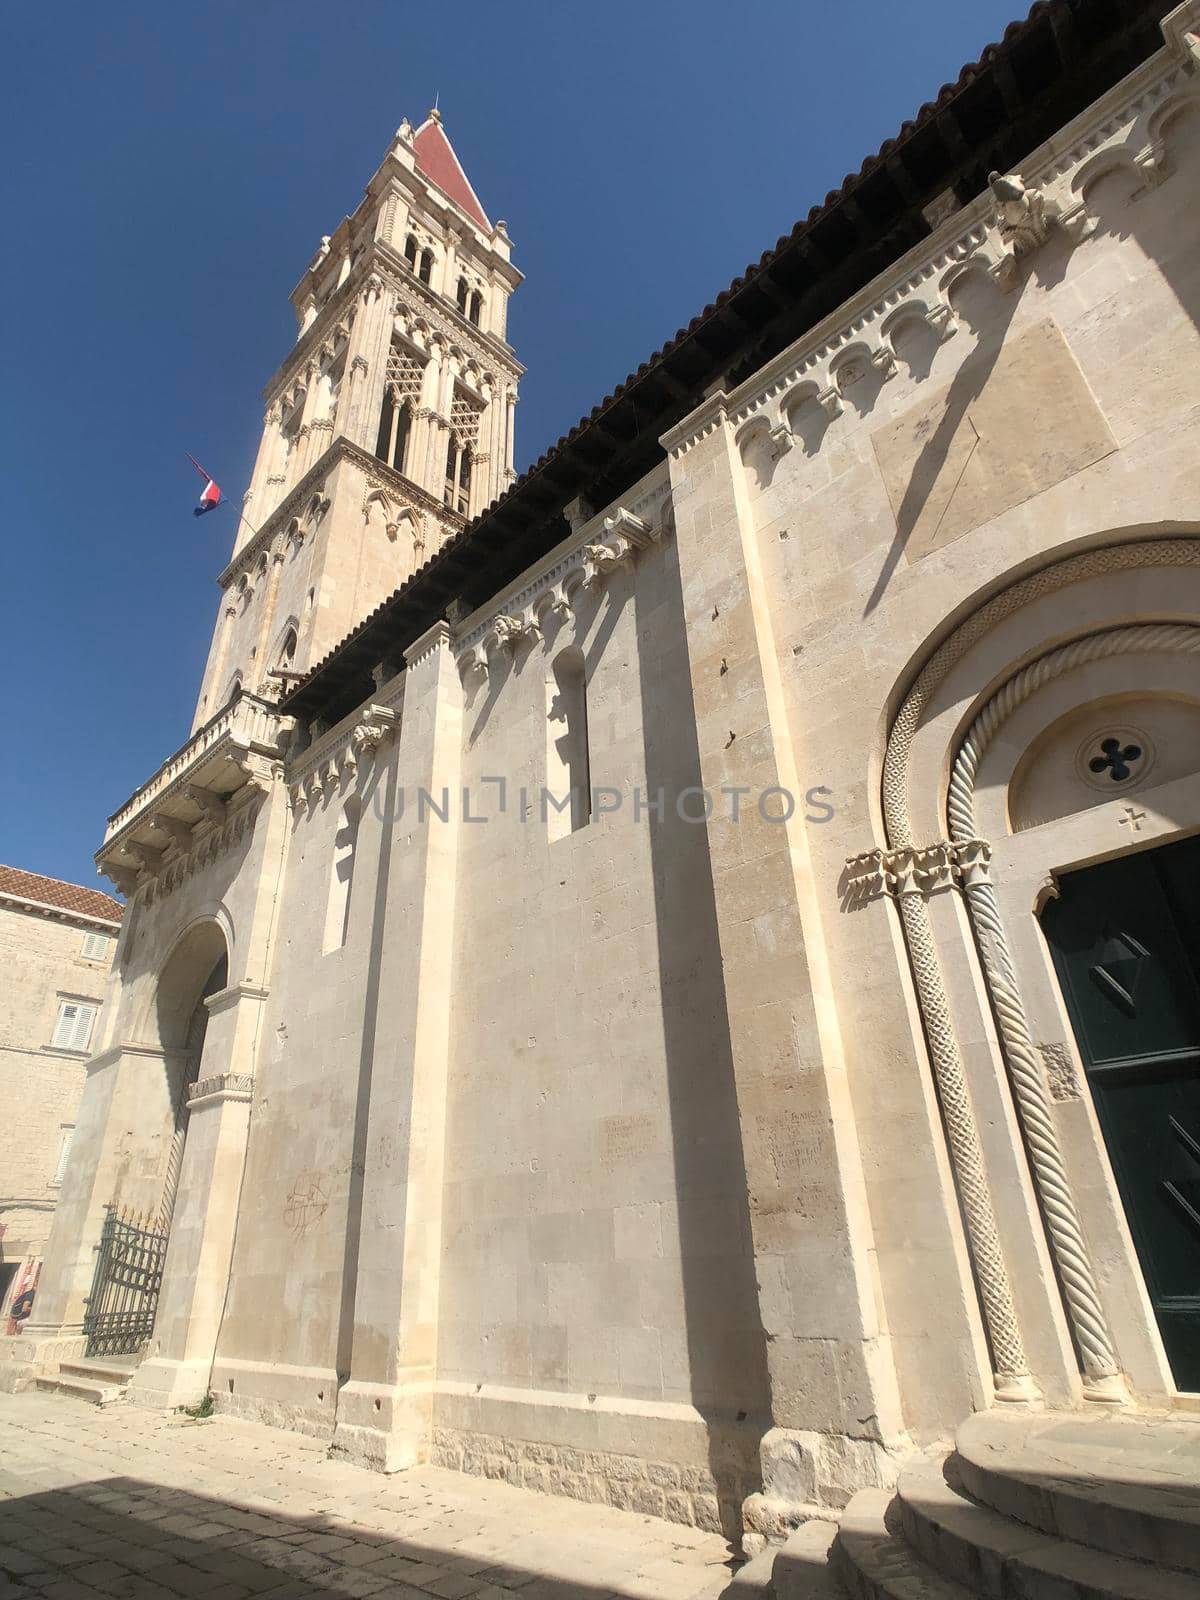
[385, 1409]
[829, 1362]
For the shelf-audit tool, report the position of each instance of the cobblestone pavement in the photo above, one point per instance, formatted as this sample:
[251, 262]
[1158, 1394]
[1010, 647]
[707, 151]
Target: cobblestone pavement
[137, 1506]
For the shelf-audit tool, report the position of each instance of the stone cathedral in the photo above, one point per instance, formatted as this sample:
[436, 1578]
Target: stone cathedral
[674, 979]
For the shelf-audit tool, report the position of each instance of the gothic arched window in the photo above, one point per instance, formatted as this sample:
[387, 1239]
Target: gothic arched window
[458, 474]
[287, 651]
[410, 251]
[426, 269]
[463, 292]
[395, 425]
[476, 312]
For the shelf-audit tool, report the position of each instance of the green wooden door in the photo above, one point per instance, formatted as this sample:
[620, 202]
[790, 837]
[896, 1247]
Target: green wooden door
[1125, 937]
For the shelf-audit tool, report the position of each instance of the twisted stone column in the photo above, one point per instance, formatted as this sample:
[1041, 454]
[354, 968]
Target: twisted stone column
[909, 874]
[1084, 1309]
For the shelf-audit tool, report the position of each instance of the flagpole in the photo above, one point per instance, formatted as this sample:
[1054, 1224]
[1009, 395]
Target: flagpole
[208, 478]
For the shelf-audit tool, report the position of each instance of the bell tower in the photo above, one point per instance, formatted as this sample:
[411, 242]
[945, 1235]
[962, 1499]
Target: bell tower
[388, 427]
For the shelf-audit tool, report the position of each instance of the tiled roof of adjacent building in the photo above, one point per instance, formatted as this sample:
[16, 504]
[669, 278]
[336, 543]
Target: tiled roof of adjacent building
[62, 896]
[1021, 91]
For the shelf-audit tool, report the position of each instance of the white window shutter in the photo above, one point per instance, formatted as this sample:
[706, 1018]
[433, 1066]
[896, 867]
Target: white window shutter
[68, 1133]
[74, 1028]
[65, 1027]
[83, 1027]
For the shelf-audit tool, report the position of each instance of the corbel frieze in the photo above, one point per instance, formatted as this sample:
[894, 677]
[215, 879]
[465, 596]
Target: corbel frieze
[1013, 218]
[153, 874]
[607, 545]
[922, 870]
[338, 764]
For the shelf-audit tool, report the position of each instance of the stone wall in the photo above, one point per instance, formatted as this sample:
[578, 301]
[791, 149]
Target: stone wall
[40, 1084]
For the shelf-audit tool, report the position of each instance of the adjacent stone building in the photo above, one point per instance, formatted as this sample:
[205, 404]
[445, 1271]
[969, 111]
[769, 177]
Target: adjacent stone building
[56, 944]
[675, 979]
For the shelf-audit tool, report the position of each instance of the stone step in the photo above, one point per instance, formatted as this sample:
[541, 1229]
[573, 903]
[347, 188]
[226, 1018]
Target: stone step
[86, 1389]
[798, 1569]
[101, 1369]
[991, 1555]
[873, 1562]
[802, 1570]
[1125, 1484]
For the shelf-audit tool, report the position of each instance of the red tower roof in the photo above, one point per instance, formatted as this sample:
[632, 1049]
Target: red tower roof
[437, 162]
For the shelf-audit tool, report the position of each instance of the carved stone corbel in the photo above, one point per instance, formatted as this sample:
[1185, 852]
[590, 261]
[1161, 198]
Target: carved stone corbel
[258, 772]
[124, 879]
[942, 320]
[179, 833]
[830, 401]
[1151, 163]
[1020, 211]
[884, 361]
[147, 857]
[507, 631]
[782, 438]
[373, 727]
[473, 664]
[624, 525]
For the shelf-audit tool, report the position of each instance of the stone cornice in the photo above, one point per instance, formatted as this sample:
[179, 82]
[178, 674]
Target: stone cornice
[1122, 128]
[340, 448]
[112, 1053]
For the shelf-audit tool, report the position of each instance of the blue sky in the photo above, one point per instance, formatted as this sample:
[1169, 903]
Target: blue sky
[168, 171]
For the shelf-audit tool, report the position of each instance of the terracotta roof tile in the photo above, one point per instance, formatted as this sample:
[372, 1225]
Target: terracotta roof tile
[437, 161]
[63, 896]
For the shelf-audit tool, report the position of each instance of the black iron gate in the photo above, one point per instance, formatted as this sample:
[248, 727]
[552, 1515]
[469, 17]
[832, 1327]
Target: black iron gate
[118, 1316]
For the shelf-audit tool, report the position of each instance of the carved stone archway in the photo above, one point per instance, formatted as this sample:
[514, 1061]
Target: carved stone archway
[910, 873]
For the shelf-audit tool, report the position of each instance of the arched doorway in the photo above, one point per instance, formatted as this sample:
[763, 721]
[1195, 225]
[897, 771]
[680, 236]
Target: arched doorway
[119, 1312]
[187, 1076]
[1017, 749]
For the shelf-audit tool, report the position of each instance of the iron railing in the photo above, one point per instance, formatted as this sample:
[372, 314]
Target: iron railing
[118, 1316]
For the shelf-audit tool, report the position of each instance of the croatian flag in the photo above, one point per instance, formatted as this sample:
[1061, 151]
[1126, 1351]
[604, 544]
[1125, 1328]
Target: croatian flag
[210, 497]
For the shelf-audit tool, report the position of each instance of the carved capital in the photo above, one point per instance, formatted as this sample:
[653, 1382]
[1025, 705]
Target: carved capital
[972, 862]
[921, 870]
[221, 1086]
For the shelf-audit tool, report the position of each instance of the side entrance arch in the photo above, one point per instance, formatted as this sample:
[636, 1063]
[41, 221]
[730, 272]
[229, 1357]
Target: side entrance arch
[119, 1312]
